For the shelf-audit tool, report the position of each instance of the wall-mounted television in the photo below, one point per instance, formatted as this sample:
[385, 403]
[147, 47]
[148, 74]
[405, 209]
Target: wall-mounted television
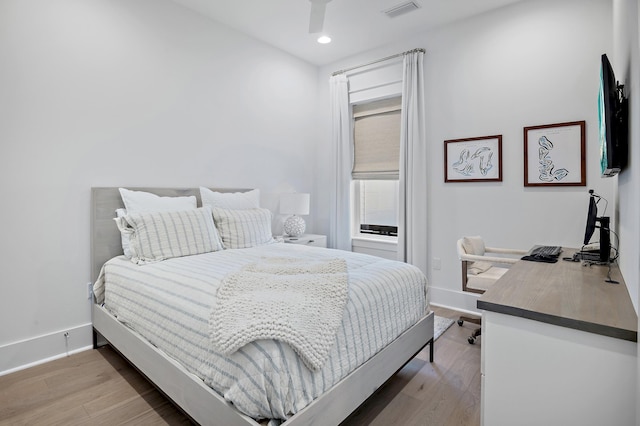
[612, 117]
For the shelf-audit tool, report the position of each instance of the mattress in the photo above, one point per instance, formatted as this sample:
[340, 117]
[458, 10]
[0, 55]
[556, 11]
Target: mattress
[169, 303]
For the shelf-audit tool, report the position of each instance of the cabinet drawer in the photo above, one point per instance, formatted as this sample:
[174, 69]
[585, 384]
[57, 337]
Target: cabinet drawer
[308, 240]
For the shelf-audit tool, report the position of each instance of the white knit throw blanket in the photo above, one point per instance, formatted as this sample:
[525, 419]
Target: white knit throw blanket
[297, 301]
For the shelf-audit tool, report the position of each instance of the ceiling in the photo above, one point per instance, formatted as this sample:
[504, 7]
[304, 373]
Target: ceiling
[354, 25]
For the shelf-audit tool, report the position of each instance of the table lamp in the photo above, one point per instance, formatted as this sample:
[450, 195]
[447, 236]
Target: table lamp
[294, 204]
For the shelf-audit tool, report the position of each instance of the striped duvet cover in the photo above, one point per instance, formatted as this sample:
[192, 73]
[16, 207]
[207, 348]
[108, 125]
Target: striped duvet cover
[169, 304]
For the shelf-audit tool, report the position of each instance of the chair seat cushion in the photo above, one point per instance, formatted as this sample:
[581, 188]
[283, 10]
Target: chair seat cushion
[484, 280]
[478, 267]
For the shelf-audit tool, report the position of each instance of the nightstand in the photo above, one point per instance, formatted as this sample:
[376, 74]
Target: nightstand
[308, 240]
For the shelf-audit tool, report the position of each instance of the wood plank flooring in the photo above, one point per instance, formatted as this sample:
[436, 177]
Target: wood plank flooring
[99, 387]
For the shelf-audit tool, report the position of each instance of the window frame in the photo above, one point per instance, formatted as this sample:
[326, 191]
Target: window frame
[355, 190]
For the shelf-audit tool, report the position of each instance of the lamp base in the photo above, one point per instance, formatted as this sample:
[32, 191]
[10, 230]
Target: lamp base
[294, 226]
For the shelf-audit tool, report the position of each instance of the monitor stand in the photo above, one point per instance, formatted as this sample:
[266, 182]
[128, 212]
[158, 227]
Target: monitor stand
[605, 239]
[587, 256]
[602, 255]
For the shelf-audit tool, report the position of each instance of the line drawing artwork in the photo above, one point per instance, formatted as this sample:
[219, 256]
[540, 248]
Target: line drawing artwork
[555, 154]
[473, 159]
[548, 172]
[480, 160]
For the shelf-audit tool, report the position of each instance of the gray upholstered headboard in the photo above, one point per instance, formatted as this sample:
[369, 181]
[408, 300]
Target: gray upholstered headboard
[105, 236]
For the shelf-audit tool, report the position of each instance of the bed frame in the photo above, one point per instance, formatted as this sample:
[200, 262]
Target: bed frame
[204, 405]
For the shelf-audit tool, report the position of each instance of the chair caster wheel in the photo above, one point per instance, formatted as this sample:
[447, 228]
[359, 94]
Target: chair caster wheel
[460, 322]
[471, 340]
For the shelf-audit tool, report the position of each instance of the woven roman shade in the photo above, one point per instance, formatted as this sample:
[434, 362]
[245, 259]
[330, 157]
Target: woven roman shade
[377, 139]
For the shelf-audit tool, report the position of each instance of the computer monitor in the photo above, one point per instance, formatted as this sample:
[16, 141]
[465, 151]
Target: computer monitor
[592, 217]
[592, 223]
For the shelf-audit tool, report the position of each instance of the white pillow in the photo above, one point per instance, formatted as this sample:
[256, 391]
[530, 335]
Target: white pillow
[243, 228]
[140, 201]
[156, 236]
[475, 245]
[478, 267]
[124, 237]
[230, 200]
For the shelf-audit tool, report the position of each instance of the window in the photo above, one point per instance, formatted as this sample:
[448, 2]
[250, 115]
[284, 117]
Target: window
[375, 170]
[378, 207]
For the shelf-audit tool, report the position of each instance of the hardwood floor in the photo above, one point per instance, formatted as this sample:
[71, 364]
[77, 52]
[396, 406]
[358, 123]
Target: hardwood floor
[443, 393]
[98, 387]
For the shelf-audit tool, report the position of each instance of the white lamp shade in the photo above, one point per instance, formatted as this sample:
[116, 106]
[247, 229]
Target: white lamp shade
[295, 203]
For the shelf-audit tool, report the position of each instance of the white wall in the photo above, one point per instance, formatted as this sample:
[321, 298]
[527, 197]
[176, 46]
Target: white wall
[131, 93]
[626, 65]
[626, 62]
[527, 64]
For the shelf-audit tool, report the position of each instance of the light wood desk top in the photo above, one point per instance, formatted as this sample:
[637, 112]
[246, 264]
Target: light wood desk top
[566, 294]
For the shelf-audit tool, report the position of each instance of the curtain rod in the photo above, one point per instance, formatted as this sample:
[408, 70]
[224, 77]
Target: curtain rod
[379, 60]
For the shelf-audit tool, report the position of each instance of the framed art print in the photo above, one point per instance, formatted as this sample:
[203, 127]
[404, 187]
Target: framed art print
[554, 155]
[473, 159]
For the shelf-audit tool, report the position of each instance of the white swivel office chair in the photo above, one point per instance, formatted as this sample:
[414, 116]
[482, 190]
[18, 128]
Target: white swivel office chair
[480, 271]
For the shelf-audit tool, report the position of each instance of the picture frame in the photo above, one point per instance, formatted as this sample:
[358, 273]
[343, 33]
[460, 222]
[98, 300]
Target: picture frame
[555, 154]
[473, 159]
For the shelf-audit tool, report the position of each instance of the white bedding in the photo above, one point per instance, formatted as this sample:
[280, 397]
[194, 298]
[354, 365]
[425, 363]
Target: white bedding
[169, 303]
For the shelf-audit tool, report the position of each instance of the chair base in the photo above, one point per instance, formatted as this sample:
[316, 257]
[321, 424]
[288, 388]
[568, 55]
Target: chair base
[477, 332]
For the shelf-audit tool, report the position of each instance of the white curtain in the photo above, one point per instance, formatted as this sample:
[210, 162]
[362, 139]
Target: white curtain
[412, 218]
[340, 223]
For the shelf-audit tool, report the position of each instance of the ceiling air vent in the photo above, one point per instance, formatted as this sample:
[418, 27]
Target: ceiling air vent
[401, 9]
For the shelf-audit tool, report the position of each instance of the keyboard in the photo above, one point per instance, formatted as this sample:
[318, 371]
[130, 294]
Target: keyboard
[547, 251]
[547, 254]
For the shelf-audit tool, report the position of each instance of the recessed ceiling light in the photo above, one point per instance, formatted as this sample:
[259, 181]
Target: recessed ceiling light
[324, 39]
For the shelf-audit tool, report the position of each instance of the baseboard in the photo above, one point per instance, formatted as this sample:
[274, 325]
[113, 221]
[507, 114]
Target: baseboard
[38, 350]
[454, 299]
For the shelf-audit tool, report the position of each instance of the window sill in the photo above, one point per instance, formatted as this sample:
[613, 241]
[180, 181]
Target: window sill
[375, 241]
[383, 246]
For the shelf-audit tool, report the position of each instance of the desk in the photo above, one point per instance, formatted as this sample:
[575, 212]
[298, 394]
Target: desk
[559, 347]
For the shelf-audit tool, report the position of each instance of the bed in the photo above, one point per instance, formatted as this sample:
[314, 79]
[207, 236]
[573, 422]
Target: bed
[348, 385]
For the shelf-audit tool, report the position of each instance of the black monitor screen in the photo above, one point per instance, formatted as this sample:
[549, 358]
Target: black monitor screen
[591, 220]
[612, 121]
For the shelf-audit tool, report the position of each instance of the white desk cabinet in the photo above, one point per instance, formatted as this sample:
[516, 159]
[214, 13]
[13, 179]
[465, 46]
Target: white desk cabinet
[308, 240]
[559, 347]
[536, 374]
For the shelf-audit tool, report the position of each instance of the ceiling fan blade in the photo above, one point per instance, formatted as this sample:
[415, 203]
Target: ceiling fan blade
[317, 17]
[316, 21]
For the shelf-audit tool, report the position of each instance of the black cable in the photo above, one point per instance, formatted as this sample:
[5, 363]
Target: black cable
[609, 280]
